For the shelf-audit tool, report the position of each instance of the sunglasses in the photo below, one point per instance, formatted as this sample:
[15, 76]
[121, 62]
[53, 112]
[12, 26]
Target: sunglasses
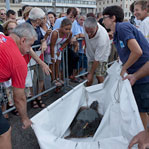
[10, 29]
[3, 13]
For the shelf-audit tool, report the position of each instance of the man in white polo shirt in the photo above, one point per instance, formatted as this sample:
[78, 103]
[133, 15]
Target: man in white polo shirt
[142, 13]
[97, 49]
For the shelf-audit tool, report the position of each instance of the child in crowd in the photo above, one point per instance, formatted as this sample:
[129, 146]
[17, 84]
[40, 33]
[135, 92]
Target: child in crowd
[58, 40]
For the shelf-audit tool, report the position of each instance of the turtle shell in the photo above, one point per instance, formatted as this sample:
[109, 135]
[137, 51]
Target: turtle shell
[85, 123]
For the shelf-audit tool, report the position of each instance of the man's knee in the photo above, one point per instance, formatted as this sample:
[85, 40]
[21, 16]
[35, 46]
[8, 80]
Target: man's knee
[100, 79]
[5, 140]
[4, 124]
[6, 134]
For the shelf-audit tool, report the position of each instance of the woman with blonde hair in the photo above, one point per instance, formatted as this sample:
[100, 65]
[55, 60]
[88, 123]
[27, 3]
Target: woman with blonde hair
[8, 26]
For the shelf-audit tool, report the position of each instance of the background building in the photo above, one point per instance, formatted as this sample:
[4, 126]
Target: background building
[62, 5]
[125, 4]
[14, 4]
[58, 6]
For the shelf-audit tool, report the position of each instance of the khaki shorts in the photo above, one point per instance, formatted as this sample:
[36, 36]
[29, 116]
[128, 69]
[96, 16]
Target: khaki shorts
[100, 70]
[3, 99]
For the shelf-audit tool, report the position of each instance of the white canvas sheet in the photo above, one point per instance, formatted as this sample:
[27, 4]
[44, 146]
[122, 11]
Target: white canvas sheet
[120, 123]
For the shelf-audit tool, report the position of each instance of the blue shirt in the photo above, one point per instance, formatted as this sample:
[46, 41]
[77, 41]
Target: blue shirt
[123, 32]
[39, 35]
[74, 28]
[80, 28]
[58, 22]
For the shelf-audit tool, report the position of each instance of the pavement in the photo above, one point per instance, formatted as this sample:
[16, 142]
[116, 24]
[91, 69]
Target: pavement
[26, 139]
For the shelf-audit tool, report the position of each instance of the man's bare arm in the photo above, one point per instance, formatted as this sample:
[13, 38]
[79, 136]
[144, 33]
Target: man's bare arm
[142, 72]
[21, 105]
[43, 65]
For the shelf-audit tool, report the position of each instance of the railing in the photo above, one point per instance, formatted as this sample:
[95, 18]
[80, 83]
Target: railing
[65, 1]
[65, 73]
[32, 65]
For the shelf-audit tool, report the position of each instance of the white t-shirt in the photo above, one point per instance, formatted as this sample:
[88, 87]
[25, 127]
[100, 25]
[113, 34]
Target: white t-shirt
[2, 33]
[20, 21]
[98, 48]
[137, 22]
[144, 28]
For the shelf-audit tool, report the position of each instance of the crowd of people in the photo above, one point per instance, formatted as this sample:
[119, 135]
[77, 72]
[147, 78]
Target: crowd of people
[88, 39]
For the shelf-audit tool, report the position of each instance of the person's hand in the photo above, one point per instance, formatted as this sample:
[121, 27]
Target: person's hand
[132, 79]
[89, 79]
[110, 34]
[43, 46]
[123, 71]
[46, 68]
[142, 139]
[48, 32]
[58, 53]
[26, 123]
[73, 40]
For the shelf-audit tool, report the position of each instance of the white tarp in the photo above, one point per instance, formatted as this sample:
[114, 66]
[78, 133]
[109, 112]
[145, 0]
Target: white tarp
[120, 123]
[30, 73]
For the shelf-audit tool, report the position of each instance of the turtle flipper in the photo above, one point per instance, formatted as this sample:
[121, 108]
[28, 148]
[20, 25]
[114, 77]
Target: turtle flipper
[68, 137]
[94, 105]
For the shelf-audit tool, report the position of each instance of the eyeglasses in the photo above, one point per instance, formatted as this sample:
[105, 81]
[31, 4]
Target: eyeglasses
[10, 29]
[105, 17]
[3, 14]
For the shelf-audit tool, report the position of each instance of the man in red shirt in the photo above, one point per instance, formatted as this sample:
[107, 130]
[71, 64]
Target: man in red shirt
[13, 65]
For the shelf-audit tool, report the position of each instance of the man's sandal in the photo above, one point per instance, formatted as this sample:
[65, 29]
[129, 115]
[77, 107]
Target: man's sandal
[57, 83]
[61, 81]
[58, 89]
[15, 112]
[34, 104]
[40, 103]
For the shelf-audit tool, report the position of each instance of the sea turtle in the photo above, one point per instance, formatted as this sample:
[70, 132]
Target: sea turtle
[85, 122]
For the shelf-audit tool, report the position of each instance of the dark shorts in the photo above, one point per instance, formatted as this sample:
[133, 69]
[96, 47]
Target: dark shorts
[4, 125]
[141, 93]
